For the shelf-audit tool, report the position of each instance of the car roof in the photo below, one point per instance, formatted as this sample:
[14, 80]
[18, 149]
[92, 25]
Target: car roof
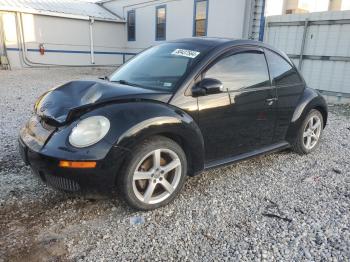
[218, 41]
[221, 42]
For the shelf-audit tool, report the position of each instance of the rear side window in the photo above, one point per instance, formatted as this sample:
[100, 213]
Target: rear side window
[282, 73]
[241, 71]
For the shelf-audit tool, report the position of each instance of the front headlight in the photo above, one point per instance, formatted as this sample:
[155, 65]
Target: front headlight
[89, 131]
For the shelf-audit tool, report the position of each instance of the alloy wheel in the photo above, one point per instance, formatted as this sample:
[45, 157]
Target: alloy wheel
[312, 132]
[157, 176]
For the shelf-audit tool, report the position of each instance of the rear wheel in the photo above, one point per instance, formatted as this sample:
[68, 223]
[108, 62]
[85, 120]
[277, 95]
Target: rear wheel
[310, 133]
[154, 174]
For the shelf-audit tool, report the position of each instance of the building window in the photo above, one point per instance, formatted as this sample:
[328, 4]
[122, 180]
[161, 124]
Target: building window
[200, 17]
[131, 25]
[161, 22]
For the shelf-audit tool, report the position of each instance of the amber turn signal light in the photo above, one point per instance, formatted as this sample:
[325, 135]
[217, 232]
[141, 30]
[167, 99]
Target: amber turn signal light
[74, 164]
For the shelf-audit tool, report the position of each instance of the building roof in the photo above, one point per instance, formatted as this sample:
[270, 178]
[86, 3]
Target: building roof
[64, 8]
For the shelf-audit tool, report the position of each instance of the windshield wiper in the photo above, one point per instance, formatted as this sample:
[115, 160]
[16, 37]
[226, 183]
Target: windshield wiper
[124, 82]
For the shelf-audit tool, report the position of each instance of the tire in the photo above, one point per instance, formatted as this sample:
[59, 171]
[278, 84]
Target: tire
[305, 134]
[148, 181]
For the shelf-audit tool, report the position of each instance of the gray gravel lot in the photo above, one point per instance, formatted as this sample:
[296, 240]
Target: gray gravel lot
[220, 215]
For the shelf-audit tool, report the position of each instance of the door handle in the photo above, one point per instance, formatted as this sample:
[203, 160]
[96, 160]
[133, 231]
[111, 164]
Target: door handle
[270, 101]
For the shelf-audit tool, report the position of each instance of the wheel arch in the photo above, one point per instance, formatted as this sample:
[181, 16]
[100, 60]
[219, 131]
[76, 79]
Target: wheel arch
[324, 113]
[146, 119]
[191, 146]
[310, 99]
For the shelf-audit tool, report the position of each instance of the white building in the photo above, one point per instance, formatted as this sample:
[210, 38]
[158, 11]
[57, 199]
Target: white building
[72, 32]
[67, 32]
[149, 22]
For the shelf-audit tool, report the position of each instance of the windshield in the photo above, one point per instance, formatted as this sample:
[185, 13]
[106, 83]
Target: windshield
[161, 67]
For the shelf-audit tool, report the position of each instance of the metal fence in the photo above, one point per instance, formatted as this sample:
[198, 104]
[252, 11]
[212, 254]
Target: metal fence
[319, 44]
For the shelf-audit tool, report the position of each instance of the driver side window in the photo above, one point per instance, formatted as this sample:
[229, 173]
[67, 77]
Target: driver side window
[241, 71]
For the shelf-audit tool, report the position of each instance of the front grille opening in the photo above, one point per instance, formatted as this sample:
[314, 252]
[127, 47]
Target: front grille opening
[62, 183]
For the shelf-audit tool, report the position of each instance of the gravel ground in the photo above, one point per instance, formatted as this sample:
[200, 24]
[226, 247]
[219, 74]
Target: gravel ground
[277, 207]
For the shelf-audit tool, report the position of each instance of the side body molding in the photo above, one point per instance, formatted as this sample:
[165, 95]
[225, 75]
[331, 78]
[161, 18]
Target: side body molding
[133, 122]
[310, 99]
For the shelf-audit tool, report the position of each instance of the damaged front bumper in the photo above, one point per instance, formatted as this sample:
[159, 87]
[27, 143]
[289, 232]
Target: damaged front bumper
[44, 147]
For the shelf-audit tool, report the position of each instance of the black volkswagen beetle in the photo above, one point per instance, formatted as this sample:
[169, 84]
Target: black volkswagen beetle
[172, 111]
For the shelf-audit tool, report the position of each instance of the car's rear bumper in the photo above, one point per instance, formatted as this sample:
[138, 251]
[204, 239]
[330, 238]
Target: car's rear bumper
[99, 179]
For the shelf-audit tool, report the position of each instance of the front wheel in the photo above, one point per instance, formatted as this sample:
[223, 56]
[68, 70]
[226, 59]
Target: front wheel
[310, 133]
[154, 174]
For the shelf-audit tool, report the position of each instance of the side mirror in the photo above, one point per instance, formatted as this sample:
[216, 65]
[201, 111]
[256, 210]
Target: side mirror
[207, 86]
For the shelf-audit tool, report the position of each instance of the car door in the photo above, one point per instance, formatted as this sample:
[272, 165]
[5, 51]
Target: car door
[242, 118]
[289, 87]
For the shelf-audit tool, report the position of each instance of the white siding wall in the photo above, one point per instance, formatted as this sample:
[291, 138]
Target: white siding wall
[67, 35]
[109, 37]
[57, 34]
[321, 40]
[226, 18]
[9, 30]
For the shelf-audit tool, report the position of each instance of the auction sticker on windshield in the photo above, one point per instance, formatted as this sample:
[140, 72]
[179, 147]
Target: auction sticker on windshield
[186, 53]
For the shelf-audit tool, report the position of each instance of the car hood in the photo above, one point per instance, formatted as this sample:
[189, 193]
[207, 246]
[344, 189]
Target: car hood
[58, 104]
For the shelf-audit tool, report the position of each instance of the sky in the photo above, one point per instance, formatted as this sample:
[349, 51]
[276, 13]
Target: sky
[274, 7]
